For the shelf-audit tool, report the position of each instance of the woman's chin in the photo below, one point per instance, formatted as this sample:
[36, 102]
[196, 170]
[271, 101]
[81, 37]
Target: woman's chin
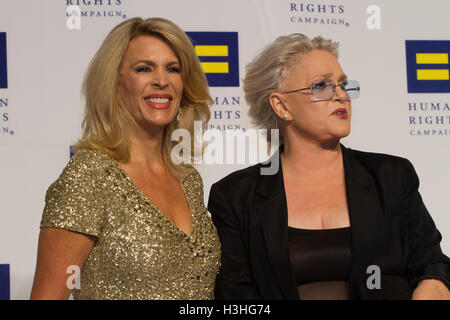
[341, 132]
[335, 137]
[154, 124]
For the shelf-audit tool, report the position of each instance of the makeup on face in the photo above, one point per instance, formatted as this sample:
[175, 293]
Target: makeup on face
[151, 84]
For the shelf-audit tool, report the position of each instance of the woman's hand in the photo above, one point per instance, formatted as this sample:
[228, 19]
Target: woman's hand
[431, 289]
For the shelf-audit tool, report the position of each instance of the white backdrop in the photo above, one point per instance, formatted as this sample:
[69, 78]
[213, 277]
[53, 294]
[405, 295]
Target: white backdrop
[46, 61]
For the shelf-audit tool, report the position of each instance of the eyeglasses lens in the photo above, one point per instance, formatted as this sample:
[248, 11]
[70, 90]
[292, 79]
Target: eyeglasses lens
[352, 88]
[325, 90]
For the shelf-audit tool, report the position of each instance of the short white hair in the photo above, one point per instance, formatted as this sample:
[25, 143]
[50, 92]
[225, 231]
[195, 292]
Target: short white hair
[265, 73]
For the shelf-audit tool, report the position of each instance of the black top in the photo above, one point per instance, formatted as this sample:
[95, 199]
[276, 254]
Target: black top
[320, 255]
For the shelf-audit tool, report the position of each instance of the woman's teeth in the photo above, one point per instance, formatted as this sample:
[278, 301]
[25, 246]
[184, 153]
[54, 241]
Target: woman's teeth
[157, 100]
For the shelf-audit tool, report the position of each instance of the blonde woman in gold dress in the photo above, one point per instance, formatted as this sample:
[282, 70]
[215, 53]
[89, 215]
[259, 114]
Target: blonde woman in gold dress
[132, 220]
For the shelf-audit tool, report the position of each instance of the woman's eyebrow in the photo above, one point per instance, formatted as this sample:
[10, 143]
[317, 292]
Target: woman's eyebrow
[152, 63]
[324, 76]
[342, 77]
[173, 63]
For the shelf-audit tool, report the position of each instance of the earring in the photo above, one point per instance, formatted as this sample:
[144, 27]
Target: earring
[286, 116]
[180, 113]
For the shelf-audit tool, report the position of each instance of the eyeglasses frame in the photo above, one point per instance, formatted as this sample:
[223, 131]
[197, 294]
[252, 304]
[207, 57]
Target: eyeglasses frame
[312, 85]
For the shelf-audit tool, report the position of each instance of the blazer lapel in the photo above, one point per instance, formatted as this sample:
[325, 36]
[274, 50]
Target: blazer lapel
[366, 220]
[272, 210]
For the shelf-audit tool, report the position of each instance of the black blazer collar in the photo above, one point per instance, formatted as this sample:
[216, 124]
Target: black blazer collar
[367, 220]
[271, 185]
[354, 170]
[272, 211]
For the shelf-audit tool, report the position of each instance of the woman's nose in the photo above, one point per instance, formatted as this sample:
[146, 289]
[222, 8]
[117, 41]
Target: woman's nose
[340, 94]
[159, 79]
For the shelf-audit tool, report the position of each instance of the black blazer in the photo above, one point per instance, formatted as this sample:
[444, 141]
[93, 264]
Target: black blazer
[390, 228]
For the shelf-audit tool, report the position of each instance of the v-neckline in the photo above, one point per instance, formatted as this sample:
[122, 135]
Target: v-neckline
[147, 199]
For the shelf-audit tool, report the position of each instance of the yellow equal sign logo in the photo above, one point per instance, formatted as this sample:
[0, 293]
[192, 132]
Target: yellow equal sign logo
[213, 51]
[432, 74]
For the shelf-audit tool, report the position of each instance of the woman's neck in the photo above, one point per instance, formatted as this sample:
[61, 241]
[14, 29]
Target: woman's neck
[310, 157]
[146, 149]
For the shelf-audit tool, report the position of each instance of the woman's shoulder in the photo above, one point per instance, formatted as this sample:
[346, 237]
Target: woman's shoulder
[193, 185]
[193, 180]
[247, 176]
[90, 158]
[383, 166]
[87, 160]
[87, 168]
[76, 200]
[377, 159]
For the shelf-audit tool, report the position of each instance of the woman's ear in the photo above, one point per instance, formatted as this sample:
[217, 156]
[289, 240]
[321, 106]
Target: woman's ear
[279, 106]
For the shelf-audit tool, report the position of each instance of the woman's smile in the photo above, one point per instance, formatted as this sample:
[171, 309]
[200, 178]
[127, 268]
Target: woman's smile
[159, 101]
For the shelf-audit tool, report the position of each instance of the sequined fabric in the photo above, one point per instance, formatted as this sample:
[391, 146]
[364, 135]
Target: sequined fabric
[139, 252]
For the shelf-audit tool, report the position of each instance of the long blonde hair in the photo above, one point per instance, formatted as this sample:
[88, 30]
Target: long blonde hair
[107, 123]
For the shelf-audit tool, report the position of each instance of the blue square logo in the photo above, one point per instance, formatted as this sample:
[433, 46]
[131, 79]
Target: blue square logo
[4, 282]
[427, 66]
[3, 66]
[218, 53]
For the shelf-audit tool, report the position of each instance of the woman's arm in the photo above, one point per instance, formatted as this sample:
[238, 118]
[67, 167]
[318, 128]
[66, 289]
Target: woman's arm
[428, 269]
[57, 250]
[431, 289]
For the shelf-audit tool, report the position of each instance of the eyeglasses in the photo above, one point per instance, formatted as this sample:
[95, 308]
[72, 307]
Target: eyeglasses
[324, 90]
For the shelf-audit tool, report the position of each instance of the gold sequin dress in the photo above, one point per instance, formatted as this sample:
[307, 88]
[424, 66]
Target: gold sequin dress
[139, 253]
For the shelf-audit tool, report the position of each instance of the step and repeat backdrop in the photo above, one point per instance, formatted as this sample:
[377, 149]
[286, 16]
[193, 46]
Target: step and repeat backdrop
[398, 50]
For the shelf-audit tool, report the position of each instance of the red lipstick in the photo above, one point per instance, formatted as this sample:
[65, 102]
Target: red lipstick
[341, 113]
[158, 101]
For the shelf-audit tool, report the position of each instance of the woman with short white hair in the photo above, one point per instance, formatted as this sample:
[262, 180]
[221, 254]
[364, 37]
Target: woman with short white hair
[331, 217]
